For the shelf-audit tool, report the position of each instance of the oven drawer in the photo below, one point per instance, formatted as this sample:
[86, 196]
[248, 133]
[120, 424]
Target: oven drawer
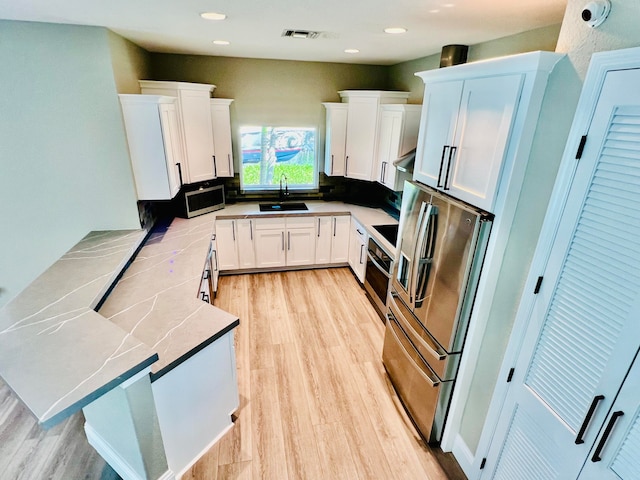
[422, 393]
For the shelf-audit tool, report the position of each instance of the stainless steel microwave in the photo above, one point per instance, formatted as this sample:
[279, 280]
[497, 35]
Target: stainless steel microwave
[204, 200]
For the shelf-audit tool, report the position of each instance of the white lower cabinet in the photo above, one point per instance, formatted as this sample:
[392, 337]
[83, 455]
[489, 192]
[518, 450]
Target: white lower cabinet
[275, 243]
[270, 242]
[284, 242]
[332, 239]
[246, 249]
[226, 239]
[357, 249]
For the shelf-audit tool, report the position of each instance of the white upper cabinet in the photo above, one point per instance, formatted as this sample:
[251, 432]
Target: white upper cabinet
[194, 115]
[397, 136]
[477, 124]
[154, 143]
[335, 139]
[221, 124]
[363, 117]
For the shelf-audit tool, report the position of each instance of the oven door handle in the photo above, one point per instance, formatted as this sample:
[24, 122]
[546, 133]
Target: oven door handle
[378, 266]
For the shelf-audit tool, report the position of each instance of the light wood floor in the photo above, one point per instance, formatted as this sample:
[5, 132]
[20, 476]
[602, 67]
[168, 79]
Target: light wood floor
[315, 402]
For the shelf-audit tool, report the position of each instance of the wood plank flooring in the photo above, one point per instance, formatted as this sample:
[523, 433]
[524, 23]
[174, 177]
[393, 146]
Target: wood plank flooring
[315, 402]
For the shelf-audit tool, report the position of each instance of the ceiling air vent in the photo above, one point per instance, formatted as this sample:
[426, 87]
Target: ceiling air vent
[300, 34]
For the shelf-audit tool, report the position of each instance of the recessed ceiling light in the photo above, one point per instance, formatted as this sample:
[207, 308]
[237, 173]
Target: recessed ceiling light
[213, 16]
[221, 42]
[395, 30]
[352, 50]
[435, 10]
[448, 5]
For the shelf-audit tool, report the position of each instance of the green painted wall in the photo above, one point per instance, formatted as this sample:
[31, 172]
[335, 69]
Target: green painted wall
[130, 63]
[64, 163]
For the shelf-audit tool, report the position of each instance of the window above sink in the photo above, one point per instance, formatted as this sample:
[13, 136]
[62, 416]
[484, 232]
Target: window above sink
[270, 152]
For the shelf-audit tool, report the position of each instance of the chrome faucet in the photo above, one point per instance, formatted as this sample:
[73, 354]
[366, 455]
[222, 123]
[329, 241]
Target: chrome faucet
[283, 193]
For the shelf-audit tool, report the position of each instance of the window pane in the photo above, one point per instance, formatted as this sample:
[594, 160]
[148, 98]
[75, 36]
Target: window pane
[268, 152]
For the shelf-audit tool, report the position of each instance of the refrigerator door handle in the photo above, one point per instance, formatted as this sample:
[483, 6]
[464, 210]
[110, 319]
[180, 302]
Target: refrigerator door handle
[422, 264]
[425, 263]
[424, 207]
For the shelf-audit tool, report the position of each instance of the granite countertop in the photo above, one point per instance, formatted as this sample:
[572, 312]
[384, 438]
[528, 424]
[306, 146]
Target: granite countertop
[365, 215]
[156, 299]
[56, 352]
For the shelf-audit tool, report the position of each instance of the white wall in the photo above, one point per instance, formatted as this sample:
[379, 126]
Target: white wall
[64, 163]
[579, 42]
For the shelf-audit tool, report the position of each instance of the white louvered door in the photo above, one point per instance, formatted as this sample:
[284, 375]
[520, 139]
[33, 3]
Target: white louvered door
[584, 328]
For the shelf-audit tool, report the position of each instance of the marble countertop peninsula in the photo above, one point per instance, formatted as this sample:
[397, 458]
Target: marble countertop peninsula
[56, 352]
[156, 300]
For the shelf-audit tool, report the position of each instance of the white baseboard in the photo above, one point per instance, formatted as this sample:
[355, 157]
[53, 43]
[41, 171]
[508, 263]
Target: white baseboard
[115, 460]
[463, 456]
[204, 450]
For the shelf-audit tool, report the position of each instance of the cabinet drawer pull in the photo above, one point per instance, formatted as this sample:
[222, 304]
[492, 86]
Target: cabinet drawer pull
[444, 150]
[207, 274]
[605, 436]
[215, 256]
[205, 297]
[587, 418]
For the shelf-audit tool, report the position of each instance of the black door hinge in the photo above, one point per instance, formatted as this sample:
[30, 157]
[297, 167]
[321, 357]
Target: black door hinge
[583, 141]
[538, 284]
[483, 463]
[510, 376]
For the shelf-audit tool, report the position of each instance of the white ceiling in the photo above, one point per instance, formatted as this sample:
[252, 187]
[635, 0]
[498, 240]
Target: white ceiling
[254, 27]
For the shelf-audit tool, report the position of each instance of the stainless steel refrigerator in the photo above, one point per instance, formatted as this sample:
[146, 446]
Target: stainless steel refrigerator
[441, 247]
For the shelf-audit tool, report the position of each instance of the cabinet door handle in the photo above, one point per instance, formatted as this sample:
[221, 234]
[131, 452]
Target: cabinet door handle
[332, 164]
[229, 160]
[346, 165]
[288, 240]
[452, 152]
[282, 241]
[605, 435]
[251, 229]
[318, 227]
[444, 152]
[215, 168]
[205, 297]
[233, 229]
[215, 256]
[334, 226]
[361, 250]
[207, 274]
[180, 173]
[587, 418]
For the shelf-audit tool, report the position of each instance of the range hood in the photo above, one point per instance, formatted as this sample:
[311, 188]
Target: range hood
[405, 162]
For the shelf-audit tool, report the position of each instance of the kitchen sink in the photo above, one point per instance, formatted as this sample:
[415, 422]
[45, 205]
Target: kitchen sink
[282, 207]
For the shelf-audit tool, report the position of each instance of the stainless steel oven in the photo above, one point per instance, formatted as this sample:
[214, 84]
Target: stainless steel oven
[377, 275]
